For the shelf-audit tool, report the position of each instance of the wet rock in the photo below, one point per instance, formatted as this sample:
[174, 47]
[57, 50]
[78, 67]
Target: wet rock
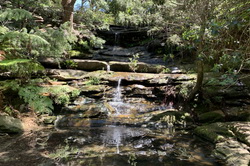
[81, 100]
[172, 117]
[215, 132]
[211, 117]
[73, 121]
[85, 111]
[10, 125]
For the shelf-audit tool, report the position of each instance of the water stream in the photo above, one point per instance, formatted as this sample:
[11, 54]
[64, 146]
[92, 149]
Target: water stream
[99, 142]
[124, 146]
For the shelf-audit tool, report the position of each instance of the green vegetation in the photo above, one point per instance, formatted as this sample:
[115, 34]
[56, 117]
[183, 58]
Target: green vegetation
[133, 65]
[214, 32]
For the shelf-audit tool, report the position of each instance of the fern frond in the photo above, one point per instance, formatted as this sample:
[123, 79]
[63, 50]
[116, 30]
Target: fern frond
[15, 14]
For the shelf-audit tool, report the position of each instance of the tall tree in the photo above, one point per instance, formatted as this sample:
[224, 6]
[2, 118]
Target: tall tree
[68, 9]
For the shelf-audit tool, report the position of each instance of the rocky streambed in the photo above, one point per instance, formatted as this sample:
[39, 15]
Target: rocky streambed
[120, 117]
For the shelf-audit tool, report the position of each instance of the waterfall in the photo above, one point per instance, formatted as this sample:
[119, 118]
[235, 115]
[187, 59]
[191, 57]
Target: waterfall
[116, 38]
[118, 93]
[120, 107]
[108, 68]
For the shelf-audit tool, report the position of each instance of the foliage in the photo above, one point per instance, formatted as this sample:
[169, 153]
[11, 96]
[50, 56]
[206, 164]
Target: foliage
[22, 68]
[31, 94]
[134, 62]
[93, 81]
[70, 64]
[63, 152]
[132, 159]
[166, 70]
[96, 42]
[62, 94]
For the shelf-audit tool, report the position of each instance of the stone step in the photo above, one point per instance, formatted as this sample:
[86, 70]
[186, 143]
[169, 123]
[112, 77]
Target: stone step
[93, 65]
[151, 78]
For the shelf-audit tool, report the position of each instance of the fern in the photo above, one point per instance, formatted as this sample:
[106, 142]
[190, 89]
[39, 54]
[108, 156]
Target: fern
[32, 95]
[20, 67]
[15, 14]
[3, 30]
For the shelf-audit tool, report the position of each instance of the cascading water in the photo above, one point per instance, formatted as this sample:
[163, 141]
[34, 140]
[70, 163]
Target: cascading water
[116, 38]
[108, 68]
[117, 103]
[118, 93]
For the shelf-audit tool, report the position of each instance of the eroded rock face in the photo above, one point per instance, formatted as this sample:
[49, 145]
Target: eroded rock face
[10, 125]
[231, 141]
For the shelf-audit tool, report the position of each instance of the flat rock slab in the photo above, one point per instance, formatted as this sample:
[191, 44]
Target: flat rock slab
[88, 65]
[66, 74]
[151, 78]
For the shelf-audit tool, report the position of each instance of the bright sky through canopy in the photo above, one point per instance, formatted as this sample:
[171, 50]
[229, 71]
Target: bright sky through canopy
[77, 4]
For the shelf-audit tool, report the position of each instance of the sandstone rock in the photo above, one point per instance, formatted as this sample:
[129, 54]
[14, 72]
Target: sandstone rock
[141, 67]
[215, 132]
[10, 125]
[242, 131]
[90, 65]
[66, 74]
[232, 152]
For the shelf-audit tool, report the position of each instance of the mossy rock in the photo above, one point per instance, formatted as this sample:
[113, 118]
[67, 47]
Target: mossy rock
[211, 117]
[174, 117]
[49, 119]
[238, 114]
[215, 132]
[10, 125]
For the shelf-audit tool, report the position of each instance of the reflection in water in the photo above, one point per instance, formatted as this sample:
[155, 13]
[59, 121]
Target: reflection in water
[118, 135]
[115, 145]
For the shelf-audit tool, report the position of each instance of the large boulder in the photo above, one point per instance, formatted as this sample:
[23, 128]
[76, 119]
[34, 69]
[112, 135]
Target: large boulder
[231, 141]
[10, 125]
[90, 65]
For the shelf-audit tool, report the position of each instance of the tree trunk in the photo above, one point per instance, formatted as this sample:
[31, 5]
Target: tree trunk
[68, 9]
[200, 48]
[199, 80]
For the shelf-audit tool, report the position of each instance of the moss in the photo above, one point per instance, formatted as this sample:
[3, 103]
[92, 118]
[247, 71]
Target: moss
[211, 117]
[215, 132]
[173, 117]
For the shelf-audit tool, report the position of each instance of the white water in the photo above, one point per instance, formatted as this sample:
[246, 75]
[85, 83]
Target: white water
[120, 107]
[116, 37]
[118, 93]
[108, 68]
